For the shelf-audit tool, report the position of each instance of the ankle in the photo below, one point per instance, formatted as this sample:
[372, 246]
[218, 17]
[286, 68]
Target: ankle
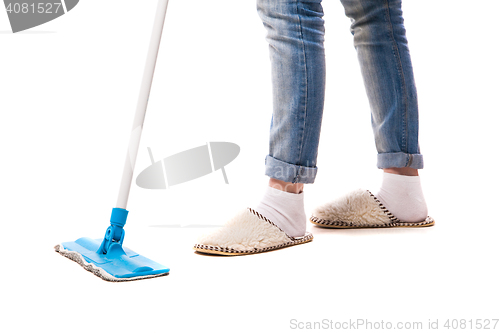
[285, 209]
[402, 171]
[286, 186]
[403, 197]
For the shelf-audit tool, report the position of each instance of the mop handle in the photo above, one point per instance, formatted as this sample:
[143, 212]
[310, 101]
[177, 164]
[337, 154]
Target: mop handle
[142, 103]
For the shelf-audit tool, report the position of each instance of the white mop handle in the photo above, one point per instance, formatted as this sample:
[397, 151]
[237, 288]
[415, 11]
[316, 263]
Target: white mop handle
[142, 104]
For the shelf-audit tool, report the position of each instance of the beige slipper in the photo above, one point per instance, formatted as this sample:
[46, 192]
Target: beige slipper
[248, 233]
[360, 209]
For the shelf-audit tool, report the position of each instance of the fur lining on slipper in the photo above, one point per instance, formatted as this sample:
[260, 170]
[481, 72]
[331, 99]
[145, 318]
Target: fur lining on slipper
[247, 232]
[359, 209]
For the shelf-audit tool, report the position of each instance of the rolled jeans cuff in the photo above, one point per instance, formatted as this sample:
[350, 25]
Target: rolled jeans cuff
[289, 172]
[400, 160]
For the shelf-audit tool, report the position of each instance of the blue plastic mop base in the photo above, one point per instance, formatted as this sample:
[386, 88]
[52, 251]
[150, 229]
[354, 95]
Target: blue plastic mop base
[119, 262]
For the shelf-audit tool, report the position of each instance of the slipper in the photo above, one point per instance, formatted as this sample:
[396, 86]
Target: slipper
[360, 209]
[248, 233]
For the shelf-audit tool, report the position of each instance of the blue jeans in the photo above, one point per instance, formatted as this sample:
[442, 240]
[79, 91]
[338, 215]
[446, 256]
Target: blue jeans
[295, 32]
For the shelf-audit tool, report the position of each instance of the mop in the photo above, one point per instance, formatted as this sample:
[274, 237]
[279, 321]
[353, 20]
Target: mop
[107, 258]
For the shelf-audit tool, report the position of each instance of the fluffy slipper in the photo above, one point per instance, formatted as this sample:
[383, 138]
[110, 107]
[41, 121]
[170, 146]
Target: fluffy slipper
[360, 209]
[248, 233]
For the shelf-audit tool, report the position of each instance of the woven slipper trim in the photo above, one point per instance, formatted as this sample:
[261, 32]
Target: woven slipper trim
[394, 221]
[262, 217]
[293, 240]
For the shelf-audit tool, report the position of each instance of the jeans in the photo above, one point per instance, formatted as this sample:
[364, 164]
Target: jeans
[295, 33]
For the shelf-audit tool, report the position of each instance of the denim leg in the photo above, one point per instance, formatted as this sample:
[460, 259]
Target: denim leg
[384, 57]
[295, 33]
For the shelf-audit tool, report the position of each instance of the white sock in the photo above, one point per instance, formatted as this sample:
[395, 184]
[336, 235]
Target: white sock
[403, 197]
[284, 209]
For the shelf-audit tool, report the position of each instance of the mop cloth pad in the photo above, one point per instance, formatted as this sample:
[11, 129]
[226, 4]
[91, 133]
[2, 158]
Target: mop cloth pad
[360, 209]
[248, 233]
[78, 258]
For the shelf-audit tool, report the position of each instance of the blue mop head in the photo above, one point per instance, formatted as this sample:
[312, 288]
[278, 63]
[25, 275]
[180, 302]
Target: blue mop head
[107, 258]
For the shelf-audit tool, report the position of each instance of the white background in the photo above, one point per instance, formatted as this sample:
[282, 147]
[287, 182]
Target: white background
[68, 96]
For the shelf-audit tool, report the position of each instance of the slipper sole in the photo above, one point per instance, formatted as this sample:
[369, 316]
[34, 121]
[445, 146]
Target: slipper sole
[428, 222]
[232, 252]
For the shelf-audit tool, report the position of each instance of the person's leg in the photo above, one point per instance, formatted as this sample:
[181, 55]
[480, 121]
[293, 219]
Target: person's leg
[295, 33]
[384, 57]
